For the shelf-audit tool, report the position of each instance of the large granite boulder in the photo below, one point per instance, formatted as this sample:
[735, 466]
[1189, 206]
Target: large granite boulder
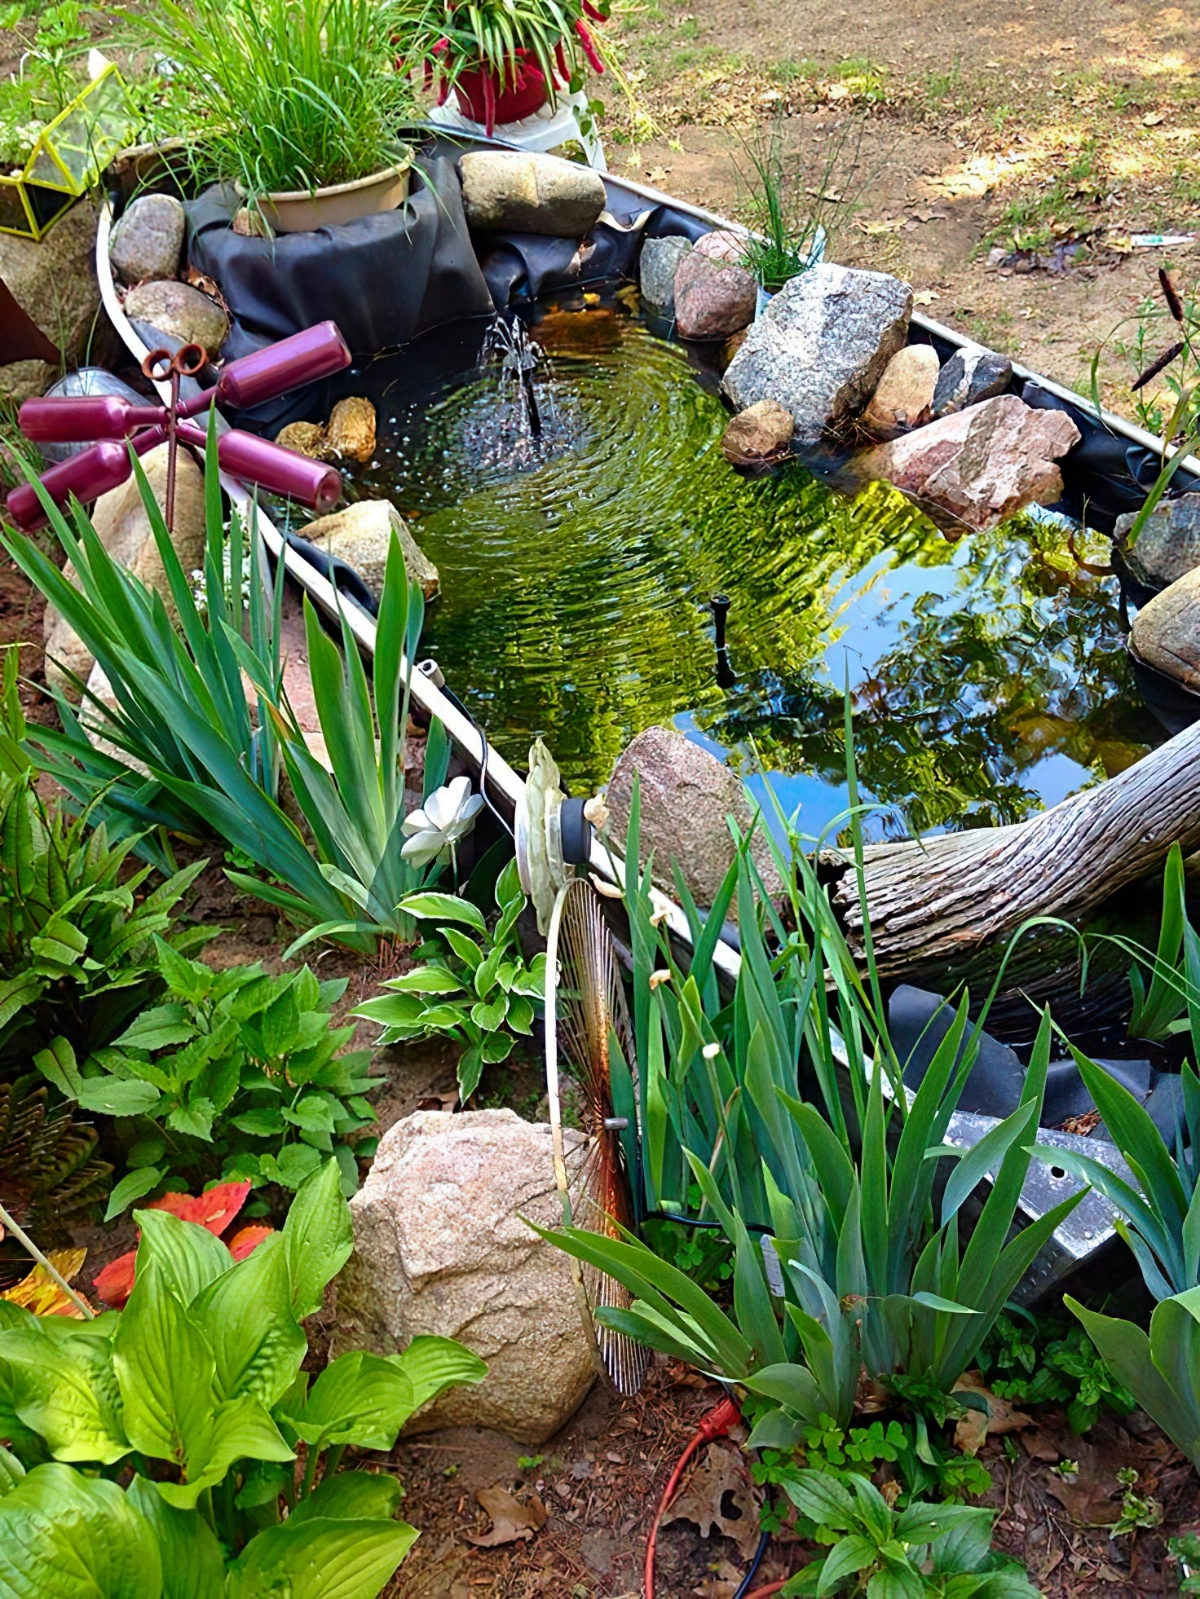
[180, 312]
[1168, 547]
[1166, 631]
[821, 346]
[120, 520]
[686, 795]
[904, 398]
[361, 535]
[980, 466]
[657, 266]
[524, 192]
[714, 293]
[54, 281]
[440, 1247]
[148, 240]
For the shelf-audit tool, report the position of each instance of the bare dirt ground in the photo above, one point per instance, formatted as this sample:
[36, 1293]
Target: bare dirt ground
[1014, 127]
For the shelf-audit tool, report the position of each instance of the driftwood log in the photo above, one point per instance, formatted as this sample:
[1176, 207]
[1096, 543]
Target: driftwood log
[938, 900]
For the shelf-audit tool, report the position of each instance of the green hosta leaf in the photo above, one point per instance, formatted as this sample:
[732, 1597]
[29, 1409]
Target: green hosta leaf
[431, 979]
[62, 1387]
[239, 1429]
[432, 1364]
[358, 1399]
[444, 908]
[351, 1495]
[392, 1010]
[11, 1471]
[317, 1238]
[497, 1047]
[489, 1015]
[134, 1185]
[470, 1070]
[520, 1014]
[322, 1558]
[189, 1256]
[465, 948]
[192, 1563]
[246, 1316]
[164, 1365]
[66, 1536]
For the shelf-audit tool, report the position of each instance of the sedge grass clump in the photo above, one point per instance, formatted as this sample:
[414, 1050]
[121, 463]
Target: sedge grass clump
[288, 95]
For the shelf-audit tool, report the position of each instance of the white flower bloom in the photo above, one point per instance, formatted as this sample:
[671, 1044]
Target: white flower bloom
[446, 816]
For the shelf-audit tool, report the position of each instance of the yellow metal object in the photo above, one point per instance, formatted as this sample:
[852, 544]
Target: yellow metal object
[68, 158]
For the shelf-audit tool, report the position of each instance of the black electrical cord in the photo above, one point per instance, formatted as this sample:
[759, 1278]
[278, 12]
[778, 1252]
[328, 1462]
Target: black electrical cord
[747, 1580]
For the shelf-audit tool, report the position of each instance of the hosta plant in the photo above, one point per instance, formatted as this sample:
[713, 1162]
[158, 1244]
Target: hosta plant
[152, 1452]
[473, 986]
[938, 1550]
[237, 1074]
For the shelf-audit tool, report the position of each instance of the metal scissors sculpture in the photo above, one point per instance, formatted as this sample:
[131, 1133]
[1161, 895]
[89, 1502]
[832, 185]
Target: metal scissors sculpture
[118, 425]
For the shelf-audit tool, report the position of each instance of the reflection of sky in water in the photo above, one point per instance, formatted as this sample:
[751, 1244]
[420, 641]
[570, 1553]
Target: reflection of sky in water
[987, 676]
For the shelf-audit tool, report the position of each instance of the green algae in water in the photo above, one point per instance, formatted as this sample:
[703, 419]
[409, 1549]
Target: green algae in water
[988, 675]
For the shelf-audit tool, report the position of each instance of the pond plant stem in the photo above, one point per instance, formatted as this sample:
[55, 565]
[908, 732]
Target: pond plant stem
[52, 1271]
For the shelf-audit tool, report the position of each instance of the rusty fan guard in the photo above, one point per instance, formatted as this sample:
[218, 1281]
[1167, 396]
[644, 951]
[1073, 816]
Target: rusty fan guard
[588, 1035]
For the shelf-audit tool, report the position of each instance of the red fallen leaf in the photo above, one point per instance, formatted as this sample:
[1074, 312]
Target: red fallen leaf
[247, 1239]
[115, 1283]
[214, 1209]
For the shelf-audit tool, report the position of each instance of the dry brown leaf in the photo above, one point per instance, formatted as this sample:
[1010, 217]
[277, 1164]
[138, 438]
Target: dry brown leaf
[925, 296]
[511, 1520]
[720, 1496]
[1039, 1445]
[975, 1425]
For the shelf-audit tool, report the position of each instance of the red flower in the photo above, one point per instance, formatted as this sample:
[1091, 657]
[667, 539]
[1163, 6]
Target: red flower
[214, 1209]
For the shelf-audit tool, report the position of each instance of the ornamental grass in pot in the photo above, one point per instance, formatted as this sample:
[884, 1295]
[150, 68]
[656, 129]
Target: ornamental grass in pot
[504, 59]
[297, 103]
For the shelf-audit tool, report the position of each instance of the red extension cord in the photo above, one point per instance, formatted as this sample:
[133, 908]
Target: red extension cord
[716, 1423]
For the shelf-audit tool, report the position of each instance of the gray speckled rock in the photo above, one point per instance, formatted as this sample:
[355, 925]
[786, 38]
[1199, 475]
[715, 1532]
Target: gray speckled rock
[686, 794]
[179, 311]
[980, 466]
[656, 271]
[821, 346]
[714, 293]
[147, 241]
[441, 1248]
[522, 192]
[1168, 547]
[970, 375]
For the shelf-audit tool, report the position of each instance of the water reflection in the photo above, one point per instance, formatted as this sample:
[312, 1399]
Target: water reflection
[988, 675]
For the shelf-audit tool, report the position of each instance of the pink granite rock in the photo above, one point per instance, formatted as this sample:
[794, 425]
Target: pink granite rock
[975, 469]
[714, 293]
[904, 398]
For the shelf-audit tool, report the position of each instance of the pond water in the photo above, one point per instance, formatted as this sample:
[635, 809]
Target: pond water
[987, 675]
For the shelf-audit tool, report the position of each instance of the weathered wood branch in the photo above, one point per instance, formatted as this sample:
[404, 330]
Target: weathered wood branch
[941, 899]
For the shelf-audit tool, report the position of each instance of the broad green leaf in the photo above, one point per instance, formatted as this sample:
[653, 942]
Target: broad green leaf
[115, 1096]
[238, 1429]
[358, 1399]
[351, 1495]
[11, 1471]
[134, 1185]
[188, 1255]
[193, 1566]
[63, 1388]
[66, 1536]
[432, 1364]
[325, 1558]
[158, 1028]
[1126, 1349]
[822, 1499]
[444, 908]
[246, 1316]
[791, 1385]
[318, 1238]
[923, 1523]
[431, 979]
[849, 1555]
[164, 1366]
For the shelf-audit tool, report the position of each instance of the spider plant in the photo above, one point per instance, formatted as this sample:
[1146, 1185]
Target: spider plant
[288, 95]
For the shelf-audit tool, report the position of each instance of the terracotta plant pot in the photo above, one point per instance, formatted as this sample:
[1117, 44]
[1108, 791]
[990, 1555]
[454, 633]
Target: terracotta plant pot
[485, 97]
[299, 211]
